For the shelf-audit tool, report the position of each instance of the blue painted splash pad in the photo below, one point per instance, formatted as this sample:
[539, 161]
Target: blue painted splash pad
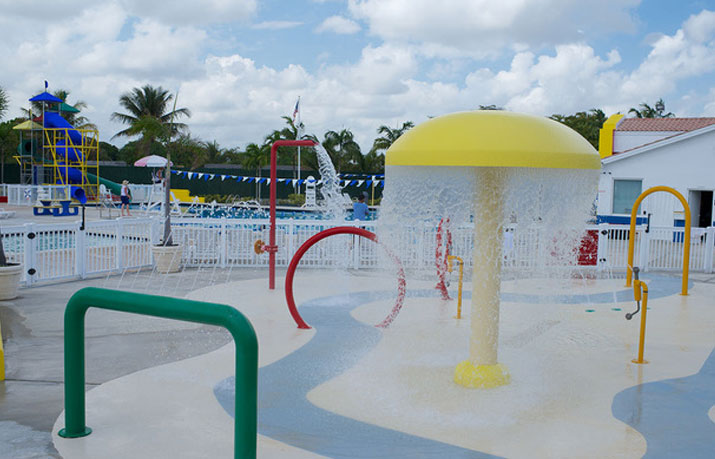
[340, 342]
[284, 412]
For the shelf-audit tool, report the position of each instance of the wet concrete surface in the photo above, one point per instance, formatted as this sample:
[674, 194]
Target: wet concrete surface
[116, 344]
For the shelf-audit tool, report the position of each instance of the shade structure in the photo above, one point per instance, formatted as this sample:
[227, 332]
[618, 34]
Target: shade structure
[46, 97]
[151, 161]
[28, 125]
[489, 138]
[66, 108]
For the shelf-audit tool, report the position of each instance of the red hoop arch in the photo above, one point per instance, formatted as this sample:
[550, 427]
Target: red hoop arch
[401, 283]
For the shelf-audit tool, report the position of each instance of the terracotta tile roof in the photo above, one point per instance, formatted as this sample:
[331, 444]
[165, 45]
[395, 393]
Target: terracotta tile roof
[664, 124]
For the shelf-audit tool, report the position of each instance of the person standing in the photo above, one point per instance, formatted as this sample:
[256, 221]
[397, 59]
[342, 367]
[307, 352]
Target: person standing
[360, 209]
[125, 195]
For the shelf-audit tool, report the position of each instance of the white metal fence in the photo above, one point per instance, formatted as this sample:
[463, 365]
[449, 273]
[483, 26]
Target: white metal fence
[54, 252]
[27, 195]
[62, 251]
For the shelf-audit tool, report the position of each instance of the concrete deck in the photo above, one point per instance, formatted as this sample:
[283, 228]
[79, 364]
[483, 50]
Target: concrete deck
[346, 389]
[31, 397]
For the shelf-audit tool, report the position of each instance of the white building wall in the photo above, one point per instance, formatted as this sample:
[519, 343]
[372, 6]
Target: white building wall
[687, 164]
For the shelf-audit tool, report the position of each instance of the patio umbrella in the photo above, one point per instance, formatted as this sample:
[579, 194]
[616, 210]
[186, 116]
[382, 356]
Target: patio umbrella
[151, 161]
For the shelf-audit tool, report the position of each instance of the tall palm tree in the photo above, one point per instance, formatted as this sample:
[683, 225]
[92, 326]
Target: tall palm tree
[290, 132]
[388, 136]
[257, 156]
[371, 163]
[490, 107]
[143, 104]
[588, 124]
[342, 148]
[656, 111]
[4, 102]
[213, 152]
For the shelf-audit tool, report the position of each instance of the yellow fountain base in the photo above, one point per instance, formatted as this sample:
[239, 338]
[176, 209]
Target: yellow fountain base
[481, 376]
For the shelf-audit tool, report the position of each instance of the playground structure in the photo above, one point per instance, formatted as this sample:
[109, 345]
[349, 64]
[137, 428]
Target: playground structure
[64, 158]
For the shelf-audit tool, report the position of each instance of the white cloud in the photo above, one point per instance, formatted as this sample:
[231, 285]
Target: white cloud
[339, 25]
[689, 52]
[276, 25]
[192, 12]
[484, 28]
[709, 109]
[102, 51]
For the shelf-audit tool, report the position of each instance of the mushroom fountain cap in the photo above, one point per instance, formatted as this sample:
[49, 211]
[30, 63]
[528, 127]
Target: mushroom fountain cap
[491, 138]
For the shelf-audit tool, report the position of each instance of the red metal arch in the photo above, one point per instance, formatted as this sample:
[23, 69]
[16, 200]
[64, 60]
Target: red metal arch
[401, 283]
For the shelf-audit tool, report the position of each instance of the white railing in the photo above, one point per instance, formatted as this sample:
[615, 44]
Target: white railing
[55, 252]
[62, 251]
[27, 195]
[229, 242]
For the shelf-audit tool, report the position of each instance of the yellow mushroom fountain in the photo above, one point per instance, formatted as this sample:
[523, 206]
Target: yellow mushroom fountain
[494, 167]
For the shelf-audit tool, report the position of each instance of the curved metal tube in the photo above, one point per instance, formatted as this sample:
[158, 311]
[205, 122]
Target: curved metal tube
[401, 283]
[237, 324]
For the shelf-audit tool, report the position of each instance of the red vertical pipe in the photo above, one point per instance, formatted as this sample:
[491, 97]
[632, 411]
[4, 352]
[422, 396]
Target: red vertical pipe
[272, 248]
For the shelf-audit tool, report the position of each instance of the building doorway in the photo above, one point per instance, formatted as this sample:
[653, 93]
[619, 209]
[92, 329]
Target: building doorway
[701, 207]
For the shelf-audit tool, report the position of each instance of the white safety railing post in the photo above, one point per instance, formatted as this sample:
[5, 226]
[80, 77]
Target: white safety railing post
[291, 240]
[30, 249]
[602, 246]
[119, 244]
[356, 251]
[709, 248]
[80, 252]
[223, 244]
[643, 249]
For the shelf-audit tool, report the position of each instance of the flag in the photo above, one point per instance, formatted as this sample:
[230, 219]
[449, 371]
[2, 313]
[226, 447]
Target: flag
[45, 85]
[297, 108]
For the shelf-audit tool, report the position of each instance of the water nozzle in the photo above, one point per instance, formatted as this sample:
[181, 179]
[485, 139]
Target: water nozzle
[636, 294]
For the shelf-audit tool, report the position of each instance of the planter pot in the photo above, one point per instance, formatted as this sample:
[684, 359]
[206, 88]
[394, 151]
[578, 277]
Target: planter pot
[167, 258]
[9, 280]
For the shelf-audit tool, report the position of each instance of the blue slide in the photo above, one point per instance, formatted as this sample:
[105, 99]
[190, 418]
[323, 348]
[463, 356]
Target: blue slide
[67, 153]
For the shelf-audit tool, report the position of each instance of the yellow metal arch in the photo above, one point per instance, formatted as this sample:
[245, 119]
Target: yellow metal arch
[686, 239]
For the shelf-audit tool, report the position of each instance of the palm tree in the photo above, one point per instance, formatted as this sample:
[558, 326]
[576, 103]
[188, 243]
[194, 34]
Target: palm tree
[342, 148]
[490, 107]
[656, 111]
[373, 162]
[290, 132]
[588, 124]
[148, 108]
[389, 135]
[257, 156]
[4, 102]
[213, 152]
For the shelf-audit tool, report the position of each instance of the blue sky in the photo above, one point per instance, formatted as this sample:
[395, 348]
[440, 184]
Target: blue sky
[239, 65]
